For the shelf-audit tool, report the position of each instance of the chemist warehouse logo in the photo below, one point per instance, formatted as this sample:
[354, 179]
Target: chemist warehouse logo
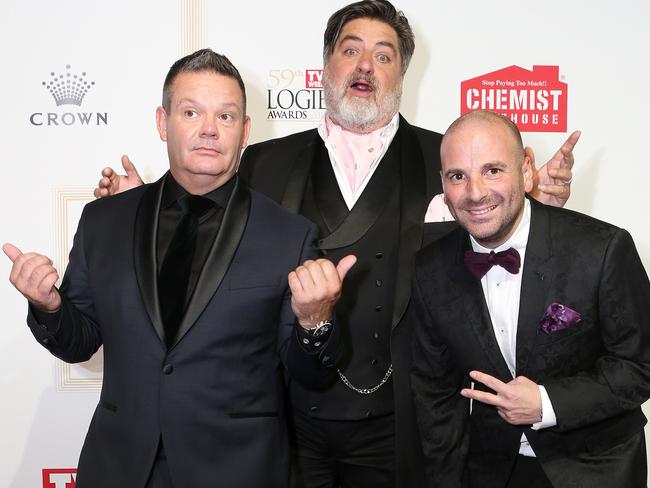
[68, 90]
[295, 95]
[536, 101]
[59, 478]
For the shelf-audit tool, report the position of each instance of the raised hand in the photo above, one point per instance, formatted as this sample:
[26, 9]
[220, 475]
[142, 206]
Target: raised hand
[316, 287]
[518, 402]
[34, 276]
[112, 183]
[552, 182]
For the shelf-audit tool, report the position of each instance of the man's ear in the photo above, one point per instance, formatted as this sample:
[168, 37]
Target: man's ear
[247, 130]
[528, 169]
[161, 123]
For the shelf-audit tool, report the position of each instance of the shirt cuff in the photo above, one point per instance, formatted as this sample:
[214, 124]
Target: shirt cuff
[548, 414]
[308, 342]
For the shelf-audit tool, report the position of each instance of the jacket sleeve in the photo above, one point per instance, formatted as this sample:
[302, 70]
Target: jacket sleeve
[310, 361]
[72, 334]
[442, 413]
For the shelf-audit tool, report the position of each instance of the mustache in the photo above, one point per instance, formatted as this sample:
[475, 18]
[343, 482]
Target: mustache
[207, 144]
[368, 78]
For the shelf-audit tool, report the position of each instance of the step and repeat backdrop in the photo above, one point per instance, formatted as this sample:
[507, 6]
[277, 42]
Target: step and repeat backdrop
[553, 66]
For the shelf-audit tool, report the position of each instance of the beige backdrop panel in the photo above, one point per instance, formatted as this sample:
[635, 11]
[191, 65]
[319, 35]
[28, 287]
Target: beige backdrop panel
[125, 48]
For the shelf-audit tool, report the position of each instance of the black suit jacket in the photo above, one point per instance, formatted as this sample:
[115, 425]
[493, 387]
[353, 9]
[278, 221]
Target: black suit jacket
[280, 168]
[596, 372]
[216, 396]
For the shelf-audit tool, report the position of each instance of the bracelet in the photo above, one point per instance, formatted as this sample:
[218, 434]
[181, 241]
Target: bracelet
[319, 329]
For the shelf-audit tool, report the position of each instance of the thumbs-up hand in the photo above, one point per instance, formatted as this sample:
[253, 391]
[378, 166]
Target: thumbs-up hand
[316, 287]
[34, 276]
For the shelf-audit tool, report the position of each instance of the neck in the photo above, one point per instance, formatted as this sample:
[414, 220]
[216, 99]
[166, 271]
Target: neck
[201, 184]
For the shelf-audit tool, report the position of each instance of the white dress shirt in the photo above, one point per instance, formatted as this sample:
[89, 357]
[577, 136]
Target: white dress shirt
[502, 290]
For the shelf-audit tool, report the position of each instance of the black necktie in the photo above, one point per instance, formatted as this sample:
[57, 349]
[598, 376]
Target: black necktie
[479, 263]
[176, 267]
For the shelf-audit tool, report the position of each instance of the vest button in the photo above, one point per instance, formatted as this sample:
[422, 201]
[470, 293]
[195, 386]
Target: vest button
[368, 414]
[379, 255]
[373, 362]
[313, 409]
[379, 283]
[375, 335]
[168, 369]
[322, 252]
[378, 308]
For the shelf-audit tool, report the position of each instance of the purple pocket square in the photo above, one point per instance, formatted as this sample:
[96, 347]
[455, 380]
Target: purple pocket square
[558, 317]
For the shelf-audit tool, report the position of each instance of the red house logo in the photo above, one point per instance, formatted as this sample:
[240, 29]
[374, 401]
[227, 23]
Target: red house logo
[536, 101]
[59, 478]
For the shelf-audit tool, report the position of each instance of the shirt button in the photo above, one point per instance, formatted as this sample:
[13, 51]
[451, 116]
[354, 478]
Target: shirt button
[379, 255]
[168, 369]
[378, 283]
[371, 149]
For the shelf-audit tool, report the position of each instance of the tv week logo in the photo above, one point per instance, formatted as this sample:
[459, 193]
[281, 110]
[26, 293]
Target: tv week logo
[313, 78]
[536, 101]
[59, 478]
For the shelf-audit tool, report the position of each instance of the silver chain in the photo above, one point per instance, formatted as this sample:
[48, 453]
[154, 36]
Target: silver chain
[366, 391]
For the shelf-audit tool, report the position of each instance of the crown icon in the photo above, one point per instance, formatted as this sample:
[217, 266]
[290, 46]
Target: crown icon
[68, 88]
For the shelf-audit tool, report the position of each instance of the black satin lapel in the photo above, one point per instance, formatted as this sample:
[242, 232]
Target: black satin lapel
[535, 284]
[476, 312]
[327, 194]
[413, 206]
[294, 192]
[145, 237]
[370, 204]
[220, 256]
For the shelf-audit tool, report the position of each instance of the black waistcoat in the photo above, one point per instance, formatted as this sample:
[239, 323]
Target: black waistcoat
[371, 232]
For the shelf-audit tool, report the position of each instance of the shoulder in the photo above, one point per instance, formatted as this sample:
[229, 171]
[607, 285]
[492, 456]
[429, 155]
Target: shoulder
[271, 214]
[119, 204]
[291, 143]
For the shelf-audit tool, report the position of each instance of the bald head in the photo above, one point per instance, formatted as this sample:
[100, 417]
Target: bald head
[480, 117]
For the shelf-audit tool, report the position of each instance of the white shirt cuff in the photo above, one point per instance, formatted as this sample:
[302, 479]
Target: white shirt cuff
[548, 414]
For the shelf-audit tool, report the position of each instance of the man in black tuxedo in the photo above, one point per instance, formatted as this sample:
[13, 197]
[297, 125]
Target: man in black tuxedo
[185, 282]
[366, 177]
[531, 351]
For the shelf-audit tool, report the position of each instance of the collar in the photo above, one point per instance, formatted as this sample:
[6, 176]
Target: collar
[173, 191]
[386, 133]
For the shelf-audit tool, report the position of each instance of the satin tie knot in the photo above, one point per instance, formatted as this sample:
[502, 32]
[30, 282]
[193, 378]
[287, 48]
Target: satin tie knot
[479, 263]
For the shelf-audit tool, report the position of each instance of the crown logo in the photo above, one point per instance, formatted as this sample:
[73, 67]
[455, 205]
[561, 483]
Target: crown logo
[68, 88]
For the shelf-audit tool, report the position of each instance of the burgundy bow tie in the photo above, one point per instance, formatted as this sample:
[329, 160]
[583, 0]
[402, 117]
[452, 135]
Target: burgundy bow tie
[480, 263]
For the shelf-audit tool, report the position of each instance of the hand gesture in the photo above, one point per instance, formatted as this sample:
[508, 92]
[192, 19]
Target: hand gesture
[34, 276]
[518, 402]
[112, 183]
[316, 287]
[552, 182]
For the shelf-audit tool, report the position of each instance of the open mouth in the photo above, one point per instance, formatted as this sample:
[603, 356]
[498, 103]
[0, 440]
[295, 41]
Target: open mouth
[361, 87]
[480, 212]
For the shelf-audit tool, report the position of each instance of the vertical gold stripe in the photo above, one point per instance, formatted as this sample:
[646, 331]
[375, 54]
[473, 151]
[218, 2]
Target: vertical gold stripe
[192, 18]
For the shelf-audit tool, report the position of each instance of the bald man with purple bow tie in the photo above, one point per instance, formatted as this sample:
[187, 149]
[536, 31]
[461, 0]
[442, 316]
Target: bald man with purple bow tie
[531, 354]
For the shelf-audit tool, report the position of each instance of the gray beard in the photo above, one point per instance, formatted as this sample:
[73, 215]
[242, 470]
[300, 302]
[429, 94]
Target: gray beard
[360, 115]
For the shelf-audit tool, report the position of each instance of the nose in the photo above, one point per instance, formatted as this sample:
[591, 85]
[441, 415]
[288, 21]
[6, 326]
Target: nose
[364, 64]
[209, 129]
[477, 189]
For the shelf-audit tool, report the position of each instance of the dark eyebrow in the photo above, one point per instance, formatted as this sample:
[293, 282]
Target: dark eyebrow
[352, 37]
